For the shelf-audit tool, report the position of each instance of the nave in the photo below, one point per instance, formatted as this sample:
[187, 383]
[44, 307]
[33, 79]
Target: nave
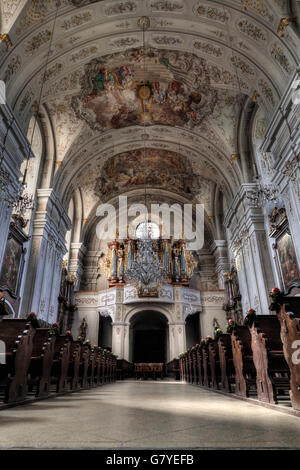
[147, 414]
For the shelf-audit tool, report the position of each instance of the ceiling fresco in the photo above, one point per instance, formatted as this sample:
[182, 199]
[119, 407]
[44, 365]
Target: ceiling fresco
[151, 87]
[152, 167]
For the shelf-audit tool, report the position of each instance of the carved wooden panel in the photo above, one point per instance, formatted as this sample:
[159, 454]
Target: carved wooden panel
[290, 332]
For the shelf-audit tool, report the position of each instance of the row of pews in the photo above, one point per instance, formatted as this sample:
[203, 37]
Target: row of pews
[36, 363]
[260, 358]
[148, 370]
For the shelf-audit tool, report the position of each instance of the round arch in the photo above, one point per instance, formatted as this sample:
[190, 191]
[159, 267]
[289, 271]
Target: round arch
[145, 307]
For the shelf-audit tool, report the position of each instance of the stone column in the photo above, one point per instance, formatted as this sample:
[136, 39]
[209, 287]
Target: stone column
[171, 353]
[126, 341]
[57, 272]
[220, 253]
[77, 254]
[41, 298]
[248, 243]
[118, 339]
[45, 261]
[89, 277]
[177, 338]
[212, 303]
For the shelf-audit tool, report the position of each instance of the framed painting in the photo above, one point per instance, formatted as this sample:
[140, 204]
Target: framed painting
[13, 263]
[287, 261]
[12, 266]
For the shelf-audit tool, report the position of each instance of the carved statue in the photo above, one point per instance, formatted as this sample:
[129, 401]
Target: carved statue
[233, 305]
[83, 328]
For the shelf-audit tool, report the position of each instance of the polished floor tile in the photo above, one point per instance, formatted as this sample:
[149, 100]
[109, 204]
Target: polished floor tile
[147, 414]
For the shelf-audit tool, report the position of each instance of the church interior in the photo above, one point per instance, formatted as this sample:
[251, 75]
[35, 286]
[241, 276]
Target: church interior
[150, 218]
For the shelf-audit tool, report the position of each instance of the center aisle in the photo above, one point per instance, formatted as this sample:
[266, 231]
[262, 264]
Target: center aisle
[146, 414]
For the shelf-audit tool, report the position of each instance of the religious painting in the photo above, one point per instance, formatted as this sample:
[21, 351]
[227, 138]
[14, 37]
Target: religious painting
[287, 261]
[145, 88]
[12, 266]
[136, 169]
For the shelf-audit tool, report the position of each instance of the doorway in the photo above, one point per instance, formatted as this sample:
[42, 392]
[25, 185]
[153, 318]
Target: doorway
[149, 337]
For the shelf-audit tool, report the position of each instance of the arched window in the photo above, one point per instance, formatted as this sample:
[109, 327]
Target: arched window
[147, 230]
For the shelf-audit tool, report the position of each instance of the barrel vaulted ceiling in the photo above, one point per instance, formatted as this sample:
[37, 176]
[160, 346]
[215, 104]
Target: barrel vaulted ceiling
[206, 63]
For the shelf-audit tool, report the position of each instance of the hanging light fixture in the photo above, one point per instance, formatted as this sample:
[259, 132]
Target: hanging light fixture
[145, 268]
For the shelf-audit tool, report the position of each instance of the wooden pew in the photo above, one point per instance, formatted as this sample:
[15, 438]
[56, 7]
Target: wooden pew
[114, 368]
[272, 371]
[74, 365]
[60, 365]
[93, 369]
[245, 371]
[182, 368]
[185, 368]
[18, 337]
[214, 362]
[290, 335]
[99, 378]
[173, 369]
[206, 365]
[41, 362]
[226, 362]
[110, 368]
[124, 369]
[84, 366]
[148, 370]
[106, 369]
[199, 365]
[157, 370]
[190, 367]
[194, 370]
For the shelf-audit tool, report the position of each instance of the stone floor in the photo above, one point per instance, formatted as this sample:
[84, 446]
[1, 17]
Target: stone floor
[146, 414]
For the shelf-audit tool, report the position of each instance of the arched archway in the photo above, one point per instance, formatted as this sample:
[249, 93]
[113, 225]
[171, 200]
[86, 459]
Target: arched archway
[148, 337]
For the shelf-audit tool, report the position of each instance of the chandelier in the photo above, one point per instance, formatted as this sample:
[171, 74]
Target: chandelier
[145, 269]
